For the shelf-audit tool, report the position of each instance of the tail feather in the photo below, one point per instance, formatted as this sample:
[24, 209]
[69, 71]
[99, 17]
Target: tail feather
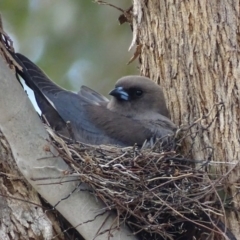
[37, 80]
[34, 77]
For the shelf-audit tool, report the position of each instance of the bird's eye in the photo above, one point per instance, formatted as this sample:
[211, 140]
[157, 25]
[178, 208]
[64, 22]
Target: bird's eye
[138, 93]
[135, 93]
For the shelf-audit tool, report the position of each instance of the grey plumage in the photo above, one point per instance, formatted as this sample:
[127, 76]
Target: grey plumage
[136, 111]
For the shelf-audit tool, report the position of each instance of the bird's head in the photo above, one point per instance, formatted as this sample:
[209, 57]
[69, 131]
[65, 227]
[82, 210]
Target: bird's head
[135, 96]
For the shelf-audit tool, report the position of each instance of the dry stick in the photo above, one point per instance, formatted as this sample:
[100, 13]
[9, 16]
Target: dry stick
[188, 219]
[224, 214]
[108, 194]
[100, 2]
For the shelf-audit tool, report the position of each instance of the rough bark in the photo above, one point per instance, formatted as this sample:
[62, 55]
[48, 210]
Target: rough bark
[191, 48]
[22, 216]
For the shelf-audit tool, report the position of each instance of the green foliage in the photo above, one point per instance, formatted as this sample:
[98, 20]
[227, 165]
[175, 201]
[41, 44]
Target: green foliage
[75, 42]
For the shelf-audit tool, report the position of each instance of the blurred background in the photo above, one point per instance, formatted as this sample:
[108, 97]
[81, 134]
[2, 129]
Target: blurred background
[75, 42]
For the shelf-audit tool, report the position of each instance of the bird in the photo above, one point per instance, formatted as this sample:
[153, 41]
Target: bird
[135, 113]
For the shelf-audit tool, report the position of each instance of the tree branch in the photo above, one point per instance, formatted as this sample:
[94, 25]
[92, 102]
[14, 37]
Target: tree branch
[36, 158]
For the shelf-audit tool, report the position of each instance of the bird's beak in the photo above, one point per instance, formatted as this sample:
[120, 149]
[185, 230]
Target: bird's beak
[120, 93]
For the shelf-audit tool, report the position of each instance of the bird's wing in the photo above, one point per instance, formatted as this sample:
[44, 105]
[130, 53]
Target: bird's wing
[162, 127]
[89, 93]
[126, 131]
[70, 106]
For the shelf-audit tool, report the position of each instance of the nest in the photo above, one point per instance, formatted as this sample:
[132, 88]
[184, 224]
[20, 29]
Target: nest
[158, 193]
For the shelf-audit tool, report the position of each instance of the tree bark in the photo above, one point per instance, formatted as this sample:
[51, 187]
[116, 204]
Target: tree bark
[22, 216]
[191, 48]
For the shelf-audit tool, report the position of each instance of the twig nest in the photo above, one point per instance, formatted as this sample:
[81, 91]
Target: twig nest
[158, 193]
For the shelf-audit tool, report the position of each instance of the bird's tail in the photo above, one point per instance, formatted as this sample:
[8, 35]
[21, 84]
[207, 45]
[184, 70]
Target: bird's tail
[34, 77]
[44, 90]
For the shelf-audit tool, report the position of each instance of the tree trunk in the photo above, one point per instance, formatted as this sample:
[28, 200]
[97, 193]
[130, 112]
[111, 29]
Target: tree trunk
[22, 216]
[191, 48]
